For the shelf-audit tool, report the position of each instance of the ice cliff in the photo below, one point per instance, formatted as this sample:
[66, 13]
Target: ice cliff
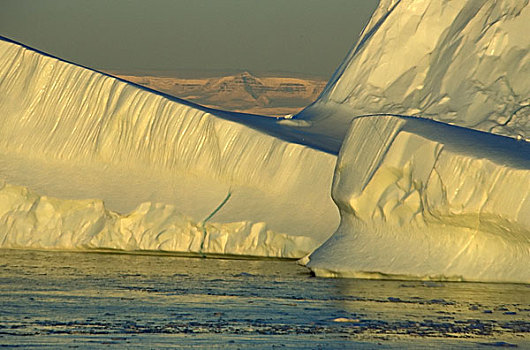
[425, 200]
[461, 62]
[71, 133]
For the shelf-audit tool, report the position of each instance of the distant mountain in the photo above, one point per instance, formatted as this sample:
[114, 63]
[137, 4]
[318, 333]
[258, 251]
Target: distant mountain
[243, 92]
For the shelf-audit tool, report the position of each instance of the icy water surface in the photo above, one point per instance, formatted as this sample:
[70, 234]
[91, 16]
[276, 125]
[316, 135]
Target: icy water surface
[95, 300]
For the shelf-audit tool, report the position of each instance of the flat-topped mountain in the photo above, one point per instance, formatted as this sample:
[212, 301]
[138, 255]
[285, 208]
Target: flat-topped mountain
[243, 92]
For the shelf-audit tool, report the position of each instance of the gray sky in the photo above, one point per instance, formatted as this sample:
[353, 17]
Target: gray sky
[301, 36]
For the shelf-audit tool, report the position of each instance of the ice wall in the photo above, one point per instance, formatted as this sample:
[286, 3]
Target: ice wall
[421, 199]
[72, 133]
[462, 62]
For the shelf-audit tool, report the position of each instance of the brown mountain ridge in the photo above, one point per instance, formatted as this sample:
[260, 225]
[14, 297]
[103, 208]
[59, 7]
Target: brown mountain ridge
[243, 92]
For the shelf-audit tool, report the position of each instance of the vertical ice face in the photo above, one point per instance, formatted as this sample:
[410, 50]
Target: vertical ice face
[73, 133]
[426, 200]
[462, 62]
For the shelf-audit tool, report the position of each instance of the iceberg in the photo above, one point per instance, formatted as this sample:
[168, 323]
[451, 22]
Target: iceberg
[413, 163]
[69, 133]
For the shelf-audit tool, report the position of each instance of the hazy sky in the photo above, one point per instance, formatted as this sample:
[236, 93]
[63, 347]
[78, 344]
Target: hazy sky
[303, 36]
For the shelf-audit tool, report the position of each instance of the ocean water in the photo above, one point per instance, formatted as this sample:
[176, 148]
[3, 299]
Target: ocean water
[110, 300]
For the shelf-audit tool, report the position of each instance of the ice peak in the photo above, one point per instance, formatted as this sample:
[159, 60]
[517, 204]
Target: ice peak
[464, 63]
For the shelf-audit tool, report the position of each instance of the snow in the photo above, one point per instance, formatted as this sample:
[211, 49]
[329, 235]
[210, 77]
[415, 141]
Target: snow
[73, 133]
[461, 62]
[425, 200]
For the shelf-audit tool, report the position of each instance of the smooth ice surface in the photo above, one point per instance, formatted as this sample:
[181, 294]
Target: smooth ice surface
[462, 62]
[425, 200]
[68, 132]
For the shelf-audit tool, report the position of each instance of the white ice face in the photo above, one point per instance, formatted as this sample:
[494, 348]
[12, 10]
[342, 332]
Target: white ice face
[425, 200]
[39, 222]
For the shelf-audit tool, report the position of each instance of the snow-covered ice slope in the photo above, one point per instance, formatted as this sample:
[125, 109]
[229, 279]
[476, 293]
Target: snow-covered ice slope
[71, 133]
[462, 62]
[426, 200]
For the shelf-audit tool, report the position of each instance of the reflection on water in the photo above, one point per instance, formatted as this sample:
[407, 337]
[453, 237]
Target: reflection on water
[439, 309]
[88, 300]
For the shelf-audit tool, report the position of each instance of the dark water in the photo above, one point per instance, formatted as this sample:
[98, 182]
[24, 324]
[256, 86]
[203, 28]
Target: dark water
[93, 300]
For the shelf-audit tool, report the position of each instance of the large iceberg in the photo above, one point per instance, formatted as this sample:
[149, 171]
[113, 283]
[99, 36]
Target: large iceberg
[430, 111]
[71, 133]
[419, 198]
